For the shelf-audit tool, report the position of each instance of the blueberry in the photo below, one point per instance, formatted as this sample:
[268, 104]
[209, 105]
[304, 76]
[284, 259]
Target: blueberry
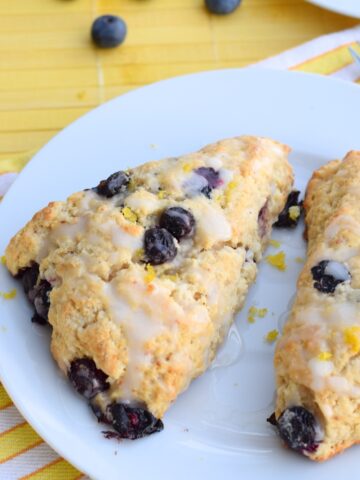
[133, 422]
[86, 378]
[159, 246]
[41, 301]
[284, 220]
[298, 429]
[37, 292]
[222, 7]
[212, 177]
[36, 318]
[108, 31]
[328, 274]
[116, 183]
[29, 277]
[103, 417]
[179, 222]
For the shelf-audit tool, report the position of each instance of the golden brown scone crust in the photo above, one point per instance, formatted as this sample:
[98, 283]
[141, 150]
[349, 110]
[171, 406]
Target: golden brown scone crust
[154, 330]
[317, 358]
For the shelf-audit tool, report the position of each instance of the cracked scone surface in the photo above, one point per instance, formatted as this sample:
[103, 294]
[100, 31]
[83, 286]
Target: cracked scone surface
[153, 327]
[317, 359]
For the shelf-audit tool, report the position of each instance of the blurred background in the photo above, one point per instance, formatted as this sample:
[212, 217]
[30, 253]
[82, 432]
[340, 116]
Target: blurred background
[50, 73]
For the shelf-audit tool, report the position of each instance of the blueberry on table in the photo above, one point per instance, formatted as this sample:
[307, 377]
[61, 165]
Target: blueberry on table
[133, 422]
[108, 31]
[116, 183]
[159, 246]
[178, 221]
[222, 7]
[298, 429]
[328, 274]
[86, 378]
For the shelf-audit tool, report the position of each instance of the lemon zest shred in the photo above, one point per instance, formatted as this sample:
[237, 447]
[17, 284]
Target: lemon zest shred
[274, 243]
[139, 253]
[129, 214]
[9, 295]
[229, 188]
[277, 260]
[294, 212]
[352, 337]
[187, 167]
[324, 356]
[3, 260]
[254, 312]
[162, 194]
[131, 185]
[271, 336]
[173, 277]
[151, 274]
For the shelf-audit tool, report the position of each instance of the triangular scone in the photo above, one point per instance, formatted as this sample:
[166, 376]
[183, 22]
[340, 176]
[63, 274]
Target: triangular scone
[141, 276]
[317, 359]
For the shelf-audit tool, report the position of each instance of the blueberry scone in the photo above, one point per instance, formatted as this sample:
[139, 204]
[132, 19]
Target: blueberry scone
[141, 276]
[317, 359]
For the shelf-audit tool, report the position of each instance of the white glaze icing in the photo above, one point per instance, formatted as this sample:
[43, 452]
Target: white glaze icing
[212, 224]
[214, 162]
[337, 270]
[327, 410]
[143, 202]
[225, 176]
[143, 316]
[342, 386]
[121, 238]
[193, 184]
[320, 370]
[69, 231]
[342, 222]
[140, 324]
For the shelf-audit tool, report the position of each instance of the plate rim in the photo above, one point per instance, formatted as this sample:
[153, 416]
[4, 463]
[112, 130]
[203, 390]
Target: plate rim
[23, 408]
[347, 10]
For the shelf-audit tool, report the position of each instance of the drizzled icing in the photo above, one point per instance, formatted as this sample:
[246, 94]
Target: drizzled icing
[120, 235]
[140, 323]
[336, 321]
[342, 222]
[145, 315]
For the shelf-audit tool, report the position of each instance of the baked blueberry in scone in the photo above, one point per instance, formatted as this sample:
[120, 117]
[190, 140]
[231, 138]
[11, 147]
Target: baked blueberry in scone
[317, 359]
[140, 277]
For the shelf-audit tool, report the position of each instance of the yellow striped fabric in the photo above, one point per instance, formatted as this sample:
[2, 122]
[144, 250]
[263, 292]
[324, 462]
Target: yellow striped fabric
[50, 75]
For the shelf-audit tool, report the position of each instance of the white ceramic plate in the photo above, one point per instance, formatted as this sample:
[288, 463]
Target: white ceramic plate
[346, 7]
[216, 429]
